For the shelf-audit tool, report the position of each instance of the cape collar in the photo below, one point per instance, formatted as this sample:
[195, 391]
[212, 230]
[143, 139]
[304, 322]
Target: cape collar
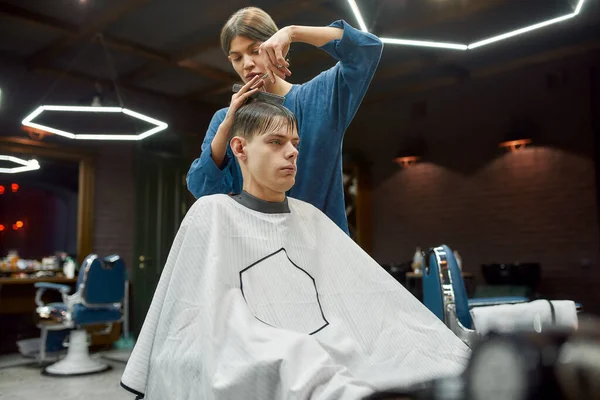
[256, 204]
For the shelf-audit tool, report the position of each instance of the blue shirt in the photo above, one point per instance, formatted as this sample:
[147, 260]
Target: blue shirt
[324, 107]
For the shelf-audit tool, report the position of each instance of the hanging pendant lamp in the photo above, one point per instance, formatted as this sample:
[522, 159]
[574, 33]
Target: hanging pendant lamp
[97, 109]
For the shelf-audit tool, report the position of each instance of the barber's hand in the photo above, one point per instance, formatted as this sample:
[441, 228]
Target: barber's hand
[273, 52]
[238, 99]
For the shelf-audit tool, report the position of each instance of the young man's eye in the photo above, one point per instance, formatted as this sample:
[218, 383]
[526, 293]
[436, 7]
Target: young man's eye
[237, 59]
[275, 142]
[255, 51]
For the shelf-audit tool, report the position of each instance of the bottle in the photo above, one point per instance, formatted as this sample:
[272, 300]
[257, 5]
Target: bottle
[417, 264]
[69, 268]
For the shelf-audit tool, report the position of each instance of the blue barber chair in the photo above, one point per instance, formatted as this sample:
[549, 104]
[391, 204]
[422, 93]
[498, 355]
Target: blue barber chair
[445, 295]
[97, 300]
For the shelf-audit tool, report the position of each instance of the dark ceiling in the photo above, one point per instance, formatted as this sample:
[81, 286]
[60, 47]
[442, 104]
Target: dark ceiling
[170, 47]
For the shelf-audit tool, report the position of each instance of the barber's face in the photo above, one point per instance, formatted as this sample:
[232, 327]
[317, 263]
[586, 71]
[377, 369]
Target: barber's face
[270, 159]
[244, 57]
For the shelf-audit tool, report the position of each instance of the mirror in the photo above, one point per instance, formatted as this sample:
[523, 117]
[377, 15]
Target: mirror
[38, 208]
[48, 210]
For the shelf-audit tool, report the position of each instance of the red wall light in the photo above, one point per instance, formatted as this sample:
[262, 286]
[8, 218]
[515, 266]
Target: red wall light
[14, 187]
[1, 227]
[19, 224]
[2, 189]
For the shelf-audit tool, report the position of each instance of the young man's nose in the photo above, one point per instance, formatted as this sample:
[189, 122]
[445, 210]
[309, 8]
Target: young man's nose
[292, 152]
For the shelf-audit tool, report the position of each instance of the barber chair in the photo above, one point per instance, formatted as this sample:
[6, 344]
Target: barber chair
[445, 295]
[96, 301]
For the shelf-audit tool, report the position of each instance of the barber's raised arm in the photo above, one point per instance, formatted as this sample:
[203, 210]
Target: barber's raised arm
[339, 90]
[274, 50]
[211, 172]
[347, 82]
[315, 35]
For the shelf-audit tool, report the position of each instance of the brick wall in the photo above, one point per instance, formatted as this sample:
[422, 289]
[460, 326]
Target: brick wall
[538, 204]
[114, 201]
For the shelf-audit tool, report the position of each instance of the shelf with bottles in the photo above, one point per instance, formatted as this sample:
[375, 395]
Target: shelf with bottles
[15, 267]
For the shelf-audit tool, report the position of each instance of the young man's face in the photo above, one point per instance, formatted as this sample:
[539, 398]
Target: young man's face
[270, 163]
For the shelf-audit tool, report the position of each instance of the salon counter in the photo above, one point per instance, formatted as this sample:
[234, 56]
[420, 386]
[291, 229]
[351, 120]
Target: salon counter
[30, 281]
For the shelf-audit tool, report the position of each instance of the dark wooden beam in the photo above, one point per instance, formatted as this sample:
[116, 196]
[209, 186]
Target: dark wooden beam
[407, 67]
[445, 56]
[208, 92]
[161, 60]
[142, 73]
[540, 58]
[108, 83]
[195, 67]
[86, 32]
[285, 9]
[36, 19]
[454, 10]
[208, 71]
[46, 22]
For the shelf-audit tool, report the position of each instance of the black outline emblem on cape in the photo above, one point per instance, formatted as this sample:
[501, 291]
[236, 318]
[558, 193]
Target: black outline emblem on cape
[295, 265]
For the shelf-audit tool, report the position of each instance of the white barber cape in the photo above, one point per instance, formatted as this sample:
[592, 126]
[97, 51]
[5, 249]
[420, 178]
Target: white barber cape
[280, 305]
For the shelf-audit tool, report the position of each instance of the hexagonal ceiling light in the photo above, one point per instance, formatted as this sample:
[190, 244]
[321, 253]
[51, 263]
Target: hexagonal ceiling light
[159, 125]
[459, 46]
[25, 165]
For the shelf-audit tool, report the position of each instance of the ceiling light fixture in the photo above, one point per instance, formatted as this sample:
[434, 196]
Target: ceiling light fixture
[95, 107]
[159, 125]
[460, 46]
[24, 165]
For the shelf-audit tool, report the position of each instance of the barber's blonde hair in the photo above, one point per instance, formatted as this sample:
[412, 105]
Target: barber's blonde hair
[251, 22]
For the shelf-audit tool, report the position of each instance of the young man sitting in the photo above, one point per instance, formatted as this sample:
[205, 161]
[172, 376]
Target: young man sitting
[263, 297]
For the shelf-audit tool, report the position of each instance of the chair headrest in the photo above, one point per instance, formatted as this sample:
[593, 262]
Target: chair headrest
[443, 274]
[103, 281]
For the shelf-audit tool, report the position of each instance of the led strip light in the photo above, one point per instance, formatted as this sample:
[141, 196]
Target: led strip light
[459, 46]
[25, 165]
[159, 125]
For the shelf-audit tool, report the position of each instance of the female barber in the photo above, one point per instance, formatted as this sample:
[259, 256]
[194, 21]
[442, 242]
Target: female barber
[324, 106]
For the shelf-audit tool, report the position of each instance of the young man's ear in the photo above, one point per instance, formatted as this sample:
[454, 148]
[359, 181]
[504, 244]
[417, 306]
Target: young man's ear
[237, 147]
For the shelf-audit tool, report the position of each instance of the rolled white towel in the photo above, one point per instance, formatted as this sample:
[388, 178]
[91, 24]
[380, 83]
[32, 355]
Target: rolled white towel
[534, 315]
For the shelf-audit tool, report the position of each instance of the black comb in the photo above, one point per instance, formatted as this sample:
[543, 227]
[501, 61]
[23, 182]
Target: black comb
[264, 96]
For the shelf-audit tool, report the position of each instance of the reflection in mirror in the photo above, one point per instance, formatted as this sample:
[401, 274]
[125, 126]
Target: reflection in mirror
[38, 213]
